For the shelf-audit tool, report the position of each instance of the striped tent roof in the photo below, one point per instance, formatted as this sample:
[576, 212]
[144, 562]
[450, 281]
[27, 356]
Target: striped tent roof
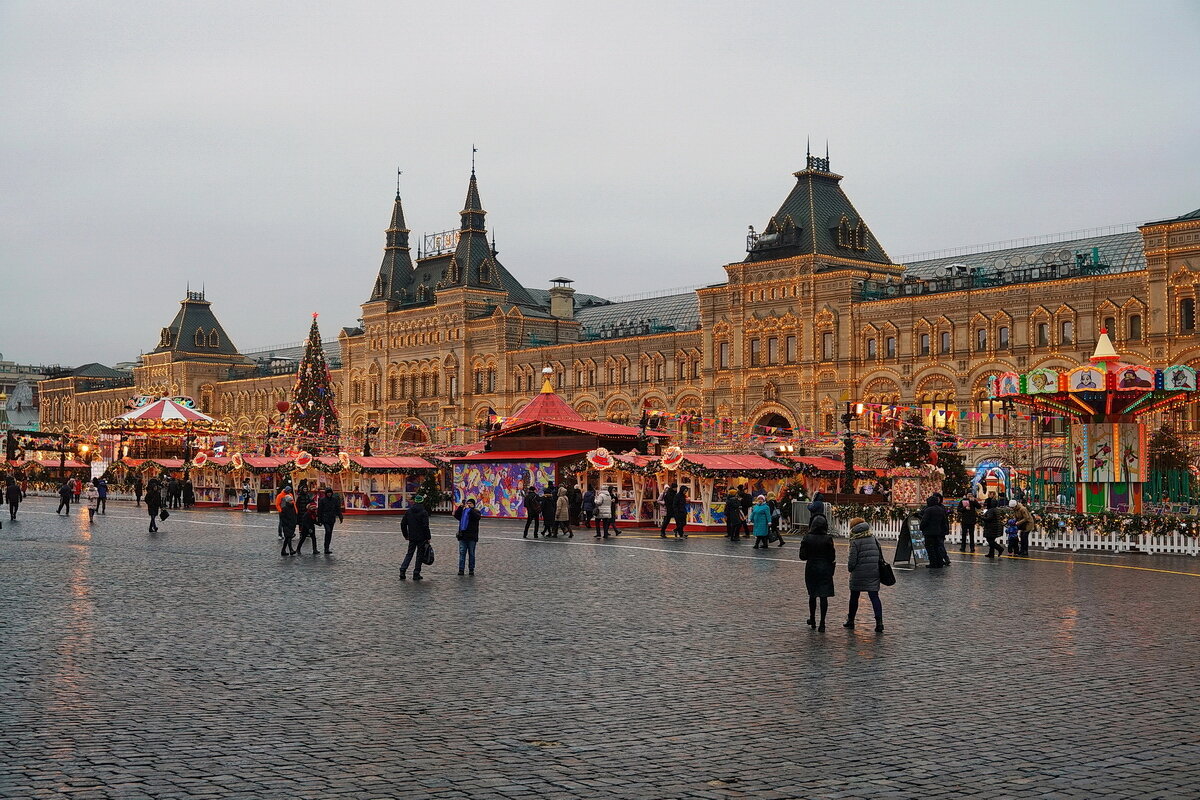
[164, 413]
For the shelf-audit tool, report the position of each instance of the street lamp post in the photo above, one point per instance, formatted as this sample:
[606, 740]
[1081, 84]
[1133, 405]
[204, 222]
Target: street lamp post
[62, 454]
[852, 411]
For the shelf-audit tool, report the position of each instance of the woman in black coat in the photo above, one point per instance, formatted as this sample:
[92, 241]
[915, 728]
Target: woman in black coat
[993, 524]
[817, 549]
[153, 502]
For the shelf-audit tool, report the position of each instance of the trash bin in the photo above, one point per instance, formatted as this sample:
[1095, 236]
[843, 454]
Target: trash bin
[264, 502]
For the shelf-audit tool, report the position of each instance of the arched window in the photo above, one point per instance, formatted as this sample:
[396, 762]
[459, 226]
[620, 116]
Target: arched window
[1135, 327]
[1002, 340]
[1187, 315]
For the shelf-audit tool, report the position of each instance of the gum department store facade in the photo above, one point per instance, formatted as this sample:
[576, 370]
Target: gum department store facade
[816, 314]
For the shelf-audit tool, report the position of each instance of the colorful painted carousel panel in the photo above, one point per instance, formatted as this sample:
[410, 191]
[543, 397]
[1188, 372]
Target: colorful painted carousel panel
[1108, 453]
[1135, 378]
[1179, 378]
[1085, 379]
[1041, 381]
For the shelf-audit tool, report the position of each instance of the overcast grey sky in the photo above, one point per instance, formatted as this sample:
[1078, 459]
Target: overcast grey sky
[252, 146]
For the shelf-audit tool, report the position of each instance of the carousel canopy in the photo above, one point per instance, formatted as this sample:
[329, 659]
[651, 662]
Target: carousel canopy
[164, 413]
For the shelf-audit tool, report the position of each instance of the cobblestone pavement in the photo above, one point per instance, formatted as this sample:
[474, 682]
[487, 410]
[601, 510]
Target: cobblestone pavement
[197, 663]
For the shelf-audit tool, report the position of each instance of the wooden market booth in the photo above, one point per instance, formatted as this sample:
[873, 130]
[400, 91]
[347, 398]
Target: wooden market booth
[540, 446]
[640, 481]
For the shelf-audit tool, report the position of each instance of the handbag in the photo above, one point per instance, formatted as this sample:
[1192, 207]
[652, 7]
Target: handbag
[163, 514]
[427, 554]
[886, 575]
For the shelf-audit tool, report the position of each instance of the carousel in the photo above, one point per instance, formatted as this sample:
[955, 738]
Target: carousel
[164, 435]
[1103, 402]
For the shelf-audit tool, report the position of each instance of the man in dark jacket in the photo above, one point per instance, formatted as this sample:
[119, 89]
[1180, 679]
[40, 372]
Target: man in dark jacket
[680, 512]
[414, 526]
[65, 493]
[968, 517]
[533, 510]
[935, 527]
[137, 490]
[468, 533]
[993, 526]
[329, 512]
[668, 498]
[746, 501]
[549, 509]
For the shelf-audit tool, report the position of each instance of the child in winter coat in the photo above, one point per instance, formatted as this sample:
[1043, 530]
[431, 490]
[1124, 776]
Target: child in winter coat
[1014, 536]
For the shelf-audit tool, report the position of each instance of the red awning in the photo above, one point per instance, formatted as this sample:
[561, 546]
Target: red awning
[167, 463]
[520, 455]
[397, 463]
[53, 462]
[264, 462]
[821, 462]
[734, 464]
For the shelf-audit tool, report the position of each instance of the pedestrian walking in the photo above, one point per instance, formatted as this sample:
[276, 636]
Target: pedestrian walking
[819, 555]
[562, 513]
[533, 510]
[76, 488]
[138, 487]
[733, 516]
[968, 518]
[153, 502]
[589, 507]
[414, 527]
[468, 534]
[863, 564]
[289, 517]
[66, 492]
[575, 495]
[760, 522]
[935, 526]
[90, 498]
[12, 496]
[747, 501]
[188, 490]
[604, 512]
[1026, 524]
[285, 491]
[549, 512]
[668, 508]
[993, 525]
[776, 516]
[306, 512]
[246, 494]
[681, 512]
[102, 495]
[330, 512]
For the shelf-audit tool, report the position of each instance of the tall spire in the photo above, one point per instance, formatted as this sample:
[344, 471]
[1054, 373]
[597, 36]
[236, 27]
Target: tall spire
[395, 273]
[473, 213]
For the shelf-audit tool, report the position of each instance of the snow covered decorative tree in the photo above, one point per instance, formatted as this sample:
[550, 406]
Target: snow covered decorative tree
[312, 420]
[911, 446]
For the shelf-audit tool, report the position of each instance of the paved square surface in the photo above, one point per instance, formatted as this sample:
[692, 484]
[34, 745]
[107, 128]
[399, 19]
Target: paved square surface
[197, 663]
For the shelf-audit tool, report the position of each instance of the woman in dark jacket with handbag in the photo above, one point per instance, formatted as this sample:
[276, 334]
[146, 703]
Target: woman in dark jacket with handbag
[153, 502]
[817, 549]
[863, 564]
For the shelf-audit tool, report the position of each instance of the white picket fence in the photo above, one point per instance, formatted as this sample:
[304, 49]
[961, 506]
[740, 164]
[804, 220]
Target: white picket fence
[1070, 539]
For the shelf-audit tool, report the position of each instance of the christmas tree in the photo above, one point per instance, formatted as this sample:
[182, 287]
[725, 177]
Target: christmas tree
[957, 482]
[910, 445]
[1167, 451]
[312, 419]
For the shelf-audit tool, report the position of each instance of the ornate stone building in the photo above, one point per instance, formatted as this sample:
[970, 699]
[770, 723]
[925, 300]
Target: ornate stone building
[816, 315]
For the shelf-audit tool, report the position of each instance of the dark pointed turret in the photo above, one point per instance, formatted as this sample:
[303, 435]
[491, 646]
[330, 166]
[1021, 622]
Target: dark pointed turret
[396, 271]
[195, 331]
[816, 219]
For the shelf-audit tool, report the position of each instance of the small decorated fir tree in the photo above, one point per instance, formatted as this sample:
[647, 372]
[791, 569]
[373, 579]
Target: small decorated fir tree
[312, 419]
[951, 460]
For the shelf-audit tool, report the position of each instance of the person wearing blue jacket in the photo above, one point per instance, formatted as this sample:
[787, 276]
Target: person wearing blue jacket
[760, 522]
